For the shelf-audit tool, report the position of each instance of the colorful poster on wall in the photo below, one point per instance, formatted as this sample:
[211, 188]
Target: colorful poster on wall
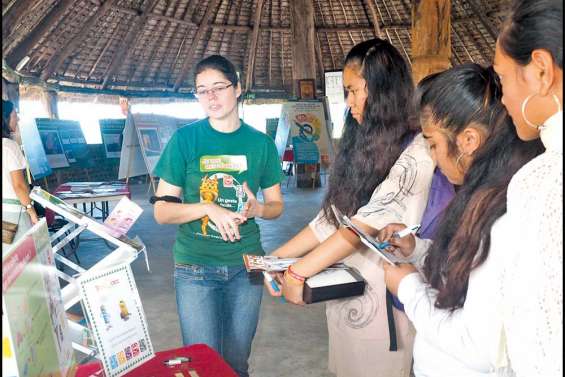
[112, 136]
[33, 308]
[52, 145]
[33, 150]
[113, 308]
[306, 122]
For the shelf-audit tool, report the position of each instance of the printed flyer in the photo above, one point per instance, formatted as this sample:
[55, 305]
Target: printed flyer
[113, 308]
[33, 311]
[122, 217]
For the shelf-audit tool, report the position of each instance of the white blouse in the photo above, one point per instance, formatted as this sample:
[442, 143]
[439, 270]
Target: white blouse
[12, 160]
[532, 284]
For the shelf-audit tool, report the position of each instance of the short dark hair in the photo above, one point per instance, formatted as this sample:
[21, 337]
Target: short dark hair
[218, 63]
[7, 108]
[531, 25]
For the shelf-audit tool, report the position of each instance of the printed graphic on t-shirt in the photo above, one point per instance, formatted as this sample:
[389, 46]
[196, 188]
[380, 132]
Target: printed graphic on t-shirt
[217, 186]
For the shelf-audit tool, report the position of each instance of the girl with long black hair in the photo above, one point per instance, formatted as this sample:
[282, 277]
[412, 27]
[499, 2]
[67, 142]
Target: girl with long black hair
[452, 306]
[382, 173]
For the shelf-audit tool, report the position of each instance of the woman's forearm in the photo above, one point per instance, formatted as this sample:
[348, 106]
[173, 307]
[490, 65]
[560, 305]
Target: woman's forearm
[271, 210]
[178, 213]
[299, 245]
[338, 246]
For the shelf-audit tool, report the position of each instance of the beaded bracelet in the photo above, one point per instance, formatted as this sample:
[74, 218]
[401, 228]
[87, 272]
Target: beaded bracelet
[294, 275]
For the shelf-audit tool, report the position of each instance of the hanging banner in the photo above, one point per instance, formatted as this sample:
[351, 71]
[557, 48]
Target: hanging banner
[52, 145]
[33, 150]
[38, 341]
[112, 136]
[305, 123]
[112, 305]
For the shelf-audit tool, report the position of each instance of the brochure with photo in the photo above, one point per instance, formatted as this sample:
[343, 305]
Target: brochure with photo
[122, 217]
[270, 263]
[369, 241]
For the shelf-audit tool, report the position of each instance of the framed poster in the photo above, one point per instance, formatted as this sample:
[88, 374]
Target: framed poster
[34, 151]
[113, 308]
[52, 145]
[112, 136]
[307, 89]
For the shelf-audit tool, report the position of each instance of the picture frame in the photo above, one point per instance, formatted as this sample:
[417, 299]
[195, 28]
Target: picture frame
[307, 89]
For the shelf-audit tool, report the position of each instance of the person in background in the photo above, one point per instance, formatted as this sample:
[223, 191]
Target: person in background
[476, 146]
[529, 62]
[17, 206]
[216, 166]
[382, 173]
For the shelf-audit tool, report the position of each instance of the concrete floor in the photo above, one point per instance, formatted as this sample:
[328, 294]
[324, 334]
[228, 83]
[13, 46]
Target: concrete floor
[290, 340]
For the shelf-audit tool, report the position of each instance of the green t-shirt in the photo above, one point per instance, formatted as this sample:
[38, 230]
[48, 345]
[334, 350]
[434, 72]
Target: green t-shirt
[211, 166]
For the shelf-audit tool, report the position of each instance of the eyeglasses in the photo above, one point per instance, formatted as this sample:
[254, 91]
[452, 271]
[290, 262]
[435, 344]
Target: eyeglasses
[203, 93]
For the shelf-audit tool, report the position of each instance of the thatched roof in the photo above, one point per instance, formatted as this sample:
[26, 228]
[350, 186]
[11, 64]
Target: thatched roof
[135, 45]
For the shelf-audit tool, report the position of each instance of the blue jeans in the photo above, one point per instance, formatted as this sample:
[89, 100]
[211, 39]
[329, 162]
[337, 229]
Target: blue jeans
[219, 306]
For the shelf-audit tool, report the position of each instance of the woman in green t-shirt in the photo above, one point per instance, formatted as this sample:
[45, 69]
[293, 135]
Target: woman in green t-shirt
[215, 168]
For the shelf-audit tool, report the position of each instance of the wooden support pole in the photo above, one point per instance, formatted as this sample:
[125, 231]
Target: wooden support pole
[71, 46]
[49, 99]
[46, 23]
[303, 45]
[252, 52]
[190, 54]
[431, 37]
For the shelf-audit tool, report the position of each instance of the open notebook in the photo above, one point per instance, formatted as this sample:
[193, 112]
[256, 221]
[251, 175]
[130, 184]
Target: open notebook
[373, 244]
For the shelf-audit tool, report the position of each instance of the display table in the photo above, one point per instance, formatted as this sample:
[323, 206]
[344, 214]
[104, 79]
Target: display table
[205, 362]
[92, 195]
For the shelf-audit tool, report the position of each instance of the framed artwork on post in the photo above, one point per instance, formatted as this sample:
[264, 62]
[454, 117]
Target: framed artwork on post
[306, 89]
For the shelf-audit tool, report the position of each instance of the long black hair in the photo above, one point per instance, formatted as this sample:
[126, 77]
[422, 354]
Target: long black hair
[470, 95]
[368, 151]
[531, 25]
[7, 108]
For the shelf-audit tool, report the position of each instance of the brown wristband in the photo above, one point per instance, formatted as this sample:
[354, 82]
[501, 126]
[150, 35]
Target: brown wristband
[294, 275]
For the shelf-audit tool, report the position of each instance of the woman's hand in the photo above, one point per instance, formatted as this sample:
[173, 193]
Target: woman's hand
[252, 207]
[226, 221]
[292, 290]
[277, 280]
[405, 244]
[395, 274]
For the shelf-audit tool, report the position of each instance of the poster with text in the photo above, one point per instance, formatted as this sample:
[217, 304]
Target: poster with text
[154, 132]
[112, 136]
[305, 122]
[113, 308]
[33, 307]
[33, 150]
[52, 145]
[74, 142]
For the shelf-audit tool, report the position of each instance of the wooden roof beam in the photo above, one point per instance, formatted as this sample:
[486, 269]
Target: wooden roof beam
[58, 58]
[484, 19]
[47, 22]
[375, 19]
[252, 52]
[192, 50]
[13, 15]
[127, 44]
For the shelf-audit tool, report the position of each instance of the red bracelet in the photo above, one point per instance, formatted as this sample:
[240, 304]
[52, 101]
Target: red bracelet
[295, 275]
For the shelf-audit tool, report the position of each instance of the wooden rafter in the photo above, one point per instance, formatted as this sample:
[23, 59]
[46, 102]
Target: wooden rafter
[403, 47]
[127, 44]
[375, 19]
[192, 50]
[13, 14]
[46, 23]
[337, 32]
[319, 59]
[462, 44]
[110, 40]
[252, 52]
[477, 44]
[72, 46]
[154, 47]
[484, 19]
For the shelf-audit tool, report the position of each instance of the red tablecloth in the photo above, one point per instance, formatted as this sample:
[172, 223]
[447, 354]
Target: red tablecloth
[204, 360]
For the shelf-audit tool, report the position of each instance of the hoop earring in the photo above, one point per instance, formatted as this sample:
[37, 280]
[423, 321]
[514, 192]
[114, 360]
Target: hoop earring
[457, 163]
[525, 103]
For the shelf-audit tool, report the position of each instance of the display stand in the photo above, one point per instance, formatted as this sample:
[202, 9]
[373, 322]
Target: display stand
[126, 251]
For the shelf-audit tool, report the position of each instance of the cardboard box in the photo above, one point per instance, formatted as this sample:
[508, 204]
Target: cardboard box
[331, 284]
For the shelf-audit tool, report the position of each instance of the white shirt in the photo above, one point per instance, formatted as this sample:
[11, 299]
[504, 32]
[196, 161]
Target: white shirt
[12, 160]
[532, 285]
[459, 344]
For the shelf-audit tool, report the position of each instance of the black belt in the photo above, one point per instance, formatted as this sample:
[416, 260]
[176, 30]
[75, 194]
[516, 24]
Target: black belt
[391, 326]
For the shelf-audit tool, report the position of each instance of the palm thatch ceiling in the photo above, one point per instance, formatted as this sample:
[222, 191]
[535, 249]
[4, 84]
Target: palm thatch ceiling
[136, 45]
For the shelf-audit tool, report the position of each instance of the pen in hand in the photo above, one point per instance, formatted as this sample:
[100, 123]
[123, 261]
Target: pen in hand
[273, 283]
[400, 234]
